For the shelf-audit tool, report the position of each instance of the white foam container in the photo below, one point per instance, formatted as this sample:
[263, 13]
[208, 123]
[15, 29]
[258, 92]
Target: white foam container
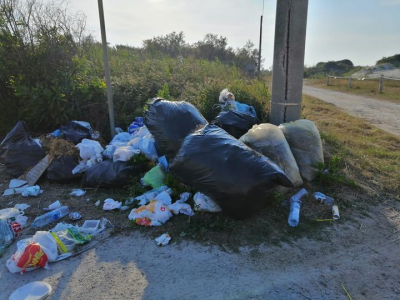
[90, 226]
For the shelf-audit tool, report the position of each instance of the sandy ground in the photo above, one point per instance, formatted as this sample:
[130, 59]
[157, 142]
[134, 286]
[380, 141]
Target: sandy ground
[382, 114]
[361, 254]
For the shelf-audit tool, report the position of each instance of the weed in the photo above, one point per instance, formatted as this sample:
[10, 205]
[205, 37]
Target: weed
[332, 174]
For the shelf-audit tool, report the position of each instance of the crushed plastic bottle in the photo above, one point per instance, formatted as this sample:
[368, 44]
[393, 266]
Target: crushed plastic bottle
[295, 203]
[49, 217]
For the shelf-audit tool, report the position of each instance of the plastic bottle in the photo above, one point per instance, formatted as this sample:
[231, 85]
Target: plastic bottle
[51, 216]
[295, 203]
[6, 235]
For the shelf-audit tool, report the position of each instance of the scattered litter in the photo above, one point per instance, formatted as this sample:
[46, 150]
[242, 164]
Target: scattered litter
[146, 197]
[22, 206]
[52, 206]
[32, 191]
[182, 208]
[163, 240]
[322, 198]
[124, 207]
[335, 212]
[110, 204]
[205, 203]
[51, 216]
[295, 203]
[77, 192]
[16, 183]
[74, 216]
[97, 203]
[90, 226]
[11, 223]
[20, 190]
[153, 214]
[36, 290]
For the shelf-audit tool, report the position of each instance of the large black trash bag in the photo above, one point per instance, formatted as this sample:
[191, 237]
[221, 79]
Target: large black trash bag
[60, 169]
[19, 150]
[110, 174]
[170, 122]
[238, 178]
[235, 123]
[75, 132]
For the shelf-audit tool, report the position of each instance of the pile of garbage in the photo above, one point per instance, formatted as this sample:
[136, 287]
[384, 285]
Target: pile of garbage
[232, 164]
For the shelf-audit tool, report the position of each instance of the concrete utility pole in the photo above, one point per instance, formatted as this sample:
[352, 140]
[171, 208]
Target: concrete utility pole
[288, 69]
[107, 69]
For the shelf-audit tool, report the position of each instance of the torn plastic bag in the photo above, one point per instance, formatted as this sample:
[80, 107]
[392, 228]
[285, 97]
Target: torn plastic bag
[19, 150]
[237, 177]
[269, 140]
[60, 169]
[76, 131]
[171, 121]
[110, 174]
[148, 148]
[89, 148]
[124, 153]
[306, 145]
[153, 214]
[235, 123]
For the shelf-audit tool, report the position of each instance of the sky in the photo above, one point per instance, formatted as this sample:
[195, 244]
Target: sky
[360, 30]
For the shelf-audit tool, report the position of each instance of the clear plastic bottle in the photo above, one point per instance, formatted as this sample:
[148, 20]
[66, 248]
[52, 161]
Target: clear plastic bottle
[295, 203]
[6, 235]
[51, 216]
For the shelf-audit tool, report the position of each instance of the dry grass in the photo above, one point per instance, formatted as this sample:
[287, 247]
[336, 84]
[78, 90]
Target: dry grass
[368, 88]
[372, 156]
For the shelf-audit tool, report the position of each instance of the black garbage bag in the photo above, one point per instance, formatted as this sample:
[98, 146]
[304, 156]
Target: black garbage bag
[236, 123]
[75, 132]
[60, 169]
[170, 122]
[110, 174]
[19, 150]
[238, 178]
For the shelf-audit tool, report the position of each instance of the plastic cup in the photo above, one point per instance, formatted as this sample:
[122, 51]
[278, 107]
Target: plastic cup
[55, 205]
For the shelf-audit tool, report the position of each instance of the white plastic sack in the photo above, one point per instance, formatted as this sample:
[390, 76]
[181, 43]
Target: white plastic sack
[47, 243]
[150, 195]
[269, 140]
[124, 153]
[153, 214]
[306, 145]
[183, 208]
[148, 148]
[135, 142]
[110, 204]
[109, 151]
[122, 137]
[143, 131]
[89, 148]
[205, 203]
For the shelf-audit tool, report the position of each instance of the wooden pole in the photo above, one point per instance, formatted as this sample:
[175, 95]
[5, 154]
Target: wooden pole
[327, 80]
[259, 51]
[107, 69]
[381, 84]
[288, 69]
[349, 81]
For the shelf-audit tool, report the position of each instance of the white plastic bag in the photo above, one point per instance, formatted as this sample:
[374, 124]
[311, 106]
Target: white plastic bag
[148, 148]
[135, 142]
[153, 214]
[89, 148]
[205, 203]
[32, 191]
[150, 195]
[109, 151]
[110, 204]
[123, 137]
[124, 153]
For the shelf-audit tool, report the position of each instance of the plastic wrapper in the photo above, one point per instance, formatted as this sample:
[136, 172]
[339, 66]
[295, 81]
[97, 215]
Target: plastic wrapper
[306, 145]
[153, 214]
[269, 140]
[19, 151]
[237, 177]
[89, 148]
[110, 174]
[236, 123]
[171, 121]
[155, 177]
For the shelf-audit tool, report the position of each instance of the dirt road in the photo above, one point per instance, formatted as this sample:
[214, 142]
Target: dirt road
[360, 254]
[382, 114]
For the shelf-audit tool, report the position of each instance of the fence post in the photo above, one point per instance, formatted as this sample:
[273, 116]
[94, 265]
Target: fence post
[380, 84]
[349, 81]
[327, 80]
